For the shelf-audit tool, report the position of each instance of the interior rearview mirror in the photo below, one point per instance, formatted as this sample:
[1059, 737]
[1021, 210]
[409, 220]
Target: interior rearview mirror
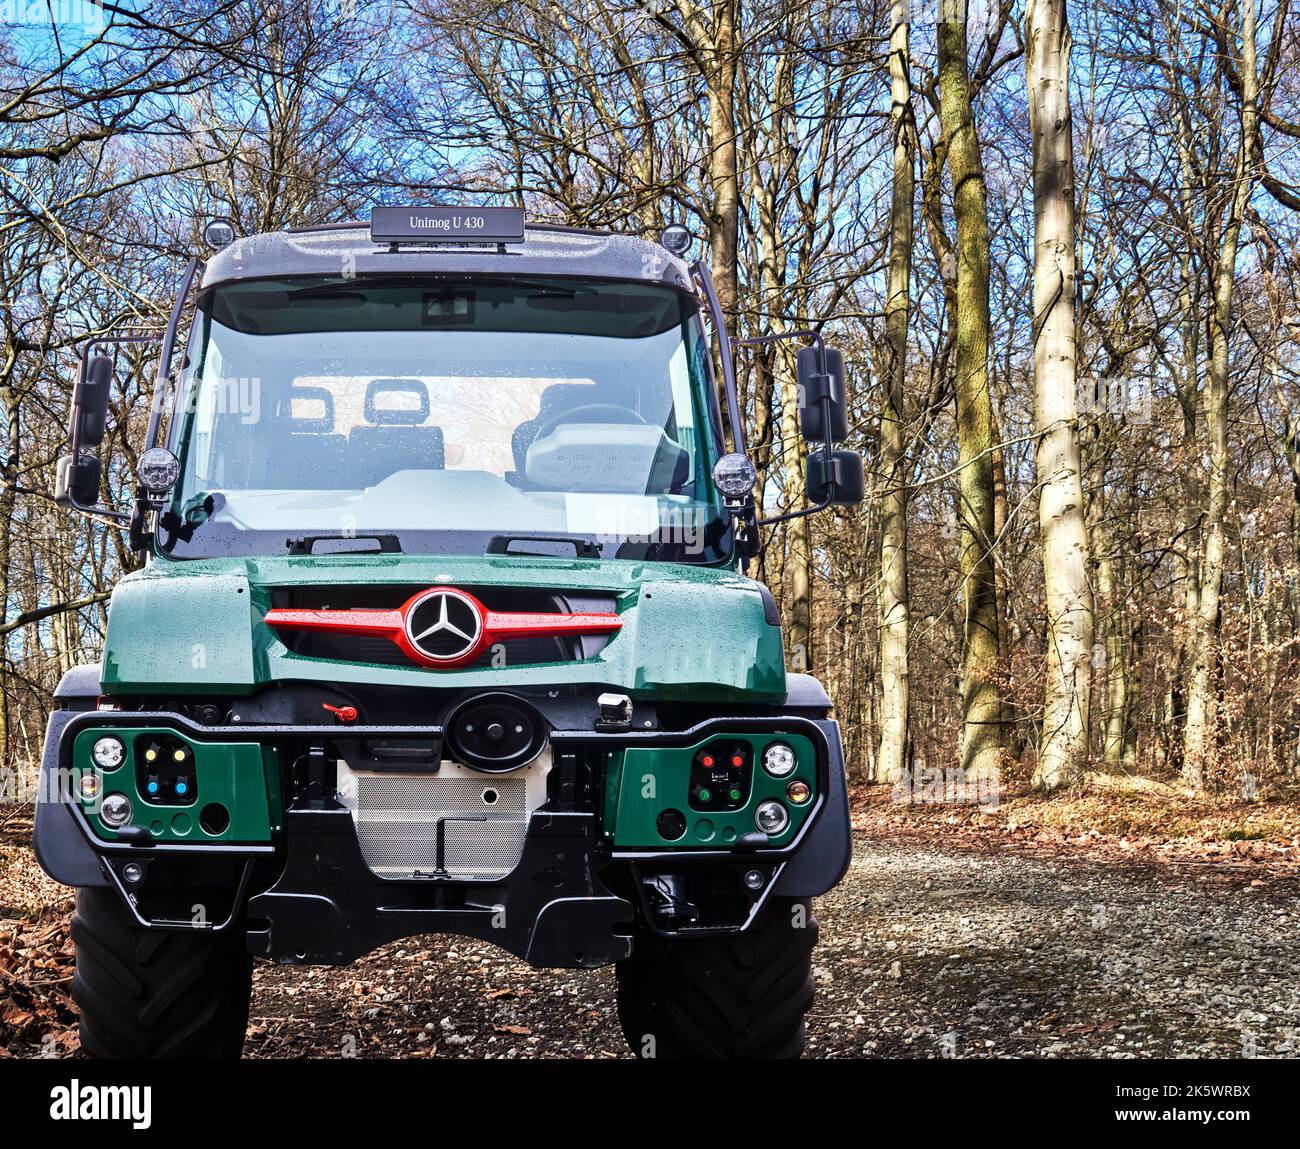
[76, 481]
[91, 399]
[818, 383]
[837, 478]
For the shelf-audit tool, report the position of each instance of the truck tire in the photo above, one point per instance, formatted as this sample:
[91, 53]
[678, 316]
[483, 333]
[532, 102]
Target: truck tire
[157, 993]
[738, 996]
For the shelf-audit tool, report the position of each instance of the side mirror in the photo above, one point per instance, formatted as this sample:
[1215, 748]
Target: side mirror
[90, 397]
[76, 481]
[818, 383]
[836, 478]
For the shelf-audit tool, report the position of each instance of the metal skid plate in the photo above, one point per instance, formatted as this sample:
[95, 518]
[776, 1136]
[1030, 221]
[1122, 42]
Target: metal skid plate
[454, 822]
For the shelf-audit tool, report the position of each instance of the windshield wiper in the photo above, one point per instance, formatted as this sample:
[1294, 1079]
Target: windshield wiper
[504, 545]
[344, 545]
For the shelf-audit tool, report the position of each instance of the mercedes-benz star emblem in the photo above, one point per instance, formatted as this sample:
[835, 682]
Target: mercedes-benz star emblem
[444, 625]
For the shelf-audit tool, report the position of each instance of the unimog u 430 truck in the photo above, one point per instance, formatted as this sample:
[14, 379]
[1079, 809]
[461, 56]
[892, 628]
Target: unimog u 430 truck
[442, 627]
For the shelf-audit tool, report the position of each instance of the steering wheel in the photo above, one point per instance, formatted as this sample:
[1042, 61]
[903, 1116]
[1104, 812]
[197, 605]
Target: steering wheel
[611, 412]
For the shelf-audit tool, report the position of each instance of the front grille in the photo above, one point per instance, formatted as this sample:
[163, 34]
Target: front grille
[485, 818]
[381, 652]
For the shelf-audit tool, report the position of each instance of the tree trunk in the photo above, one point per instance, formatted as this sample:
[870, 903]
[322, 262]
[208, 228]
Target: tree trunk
[1187, 384]
[724, 227]
[982, 733]
[796, 581]
[1137, 645]
[9, 471]
[1116, 675]
[796, 569]
[1202, 691]
[1291, 444]
[1068, 597]
[894, 606]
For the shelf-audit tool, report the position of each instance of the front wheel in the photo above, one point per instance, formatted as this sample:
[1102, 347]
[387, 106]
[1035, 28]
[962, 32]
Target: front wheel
[735, 996]
[157, 993]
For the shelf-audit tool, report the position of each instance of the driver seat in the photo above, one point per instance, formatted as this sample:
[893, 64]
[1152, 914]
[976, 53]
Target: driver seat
[556, 398]
[671, 468]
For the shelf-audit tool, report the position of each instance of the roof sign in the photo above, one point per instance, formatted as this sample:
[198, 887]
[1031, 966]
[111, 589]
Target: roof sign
[447, 224]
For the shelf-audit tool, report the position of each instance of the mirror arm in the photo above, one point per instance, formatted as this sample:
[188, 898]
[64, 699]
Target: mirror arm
[815, 336]
[110, 518]
[795, 514]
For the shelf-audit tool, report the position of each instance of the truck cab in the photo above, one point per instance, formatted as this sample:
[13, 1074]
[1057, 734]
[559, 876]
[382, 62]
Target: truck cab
[443, 625]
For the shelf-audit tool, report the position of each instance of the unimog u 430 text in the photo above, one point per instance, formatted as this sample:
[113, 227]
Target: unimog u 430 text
[442, 627]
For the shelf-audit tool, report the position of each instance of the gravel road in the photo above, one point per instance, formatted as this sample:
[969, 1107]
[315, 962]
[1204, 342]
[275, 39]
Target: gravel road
[927, 951]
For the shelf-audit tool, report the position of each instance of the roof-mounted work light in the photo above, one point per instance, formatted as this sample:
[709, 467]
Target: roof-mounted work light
[219, 233]
[676, 238]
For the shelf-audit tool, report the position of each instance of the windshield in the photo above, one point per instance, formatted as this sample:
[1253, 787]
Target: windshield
[446, 415]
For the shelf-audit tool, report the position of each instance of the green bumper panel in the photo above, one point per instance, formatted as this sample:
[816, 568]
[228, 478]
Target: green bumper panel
[237, 779]
[192, 628]
[644, 783]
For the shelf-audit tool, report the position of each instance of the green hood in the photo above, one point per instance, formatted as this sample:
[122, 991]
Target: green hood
[689, 632]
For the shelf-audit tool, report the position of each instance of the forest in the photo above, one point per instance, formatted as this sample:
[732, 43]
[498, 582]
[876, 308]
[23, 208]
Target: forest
[1060, 258]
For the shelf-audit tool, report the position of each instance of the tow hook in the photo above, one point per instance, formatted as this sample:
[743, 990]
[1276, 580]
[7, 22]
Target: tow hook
[343, 713]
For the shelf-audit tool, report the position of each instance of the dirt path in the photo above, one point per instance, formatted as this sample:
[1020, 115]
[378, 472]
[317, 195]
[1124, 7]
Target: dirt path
[927, 950]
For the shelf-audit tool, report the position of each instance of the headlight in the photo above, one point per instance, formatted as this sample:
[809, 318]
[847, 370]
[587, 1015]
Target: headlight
[108, 753]
[158, 470]
[734, 476]
[771, 818]
[779, 760]
[116, 810]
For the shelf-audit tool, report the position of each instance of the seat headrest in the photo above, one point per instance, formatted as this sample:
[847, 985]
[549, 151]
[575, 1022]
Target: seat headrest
[396, 416]
[321, 424]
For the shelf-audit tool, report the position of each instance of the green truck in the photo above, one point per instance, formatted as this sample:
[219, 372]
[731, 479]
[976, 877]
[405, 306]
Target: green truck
[442, 627]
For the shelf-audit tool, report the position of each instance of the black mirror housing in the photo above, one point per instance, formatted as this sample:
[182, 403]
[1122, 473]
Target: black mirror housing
[76, 481]
[91, 399]
[837, 479]
[817, 385]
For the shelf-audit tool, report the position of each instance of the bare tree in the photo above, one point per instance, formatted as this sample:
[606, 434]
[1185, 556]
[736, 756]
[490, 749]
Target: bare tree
[1060, 499]
[1201, 725]
[894, 603]
[982, 717]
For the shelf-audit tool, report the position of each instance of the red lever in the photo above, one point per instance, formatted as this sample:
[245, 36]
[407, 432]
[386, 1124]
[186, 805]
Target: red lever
[345, 713]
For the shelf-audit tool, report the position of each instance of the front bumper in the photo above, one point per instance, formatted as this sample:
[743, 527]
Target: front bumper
[327, 907]
[573, 900]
